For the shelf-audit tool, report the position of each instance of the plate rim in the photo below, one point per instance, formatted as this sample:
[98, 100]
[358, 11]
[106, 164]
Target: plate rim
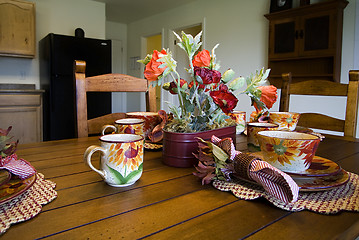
[306, 189]
[317, 175]
[12, 196]
[7, 179]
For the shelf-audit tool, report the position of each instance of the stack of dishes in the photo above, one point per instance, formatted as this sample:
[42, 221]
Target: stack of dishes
[12, 186]
[323, 174]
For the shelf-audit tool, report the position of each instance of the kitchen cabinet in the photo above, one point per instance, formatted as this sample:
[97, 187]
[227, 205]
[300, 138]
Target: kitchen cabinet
[21, 108]
[17, 28]
[306, 41]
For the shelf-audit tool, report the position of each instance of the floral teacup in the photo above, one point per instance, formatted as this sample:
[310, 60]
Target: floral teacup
[288, 151]
[127, 125]
[121, 158]
[240, 118]
[151, 119]
[285, 120]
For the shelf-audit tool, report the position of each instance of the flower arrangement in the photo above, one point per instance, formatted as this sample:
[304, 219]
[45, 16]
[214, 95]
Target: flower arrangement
[206, 99]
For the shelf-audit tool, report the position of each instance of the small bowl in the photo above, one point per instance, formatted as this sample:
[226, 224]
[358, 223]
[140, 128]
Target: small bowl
[285, 120]
[288, 151]
[252, 129]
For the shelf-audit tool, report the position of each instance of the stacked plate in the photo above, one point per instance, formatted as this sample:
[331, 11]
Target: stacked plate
[11, 186]
[323, 174]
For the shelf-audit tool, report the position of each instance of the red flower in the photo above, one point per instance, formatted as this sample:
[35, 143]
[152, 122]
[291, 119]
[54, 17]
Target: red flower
[202, 59]
[173, 86]
[224, 99]
[268, 97]
[208, 76]
[152, 72]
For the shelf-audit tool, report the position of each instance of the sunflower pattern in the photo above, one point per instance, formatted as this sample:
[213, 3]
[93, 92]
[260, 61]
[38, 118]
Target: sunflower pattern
[131, 129]
[127, 156]
[285, 120]
[288, 153]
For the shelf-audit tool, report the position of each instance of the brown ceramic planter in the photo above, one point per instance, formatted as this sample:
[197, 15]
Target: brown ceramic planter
[178, 147]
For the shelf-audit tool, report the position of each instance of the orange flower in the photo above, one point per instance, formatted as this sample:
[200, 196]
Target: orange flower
[152, 72]
[202, 59]
[268, 97]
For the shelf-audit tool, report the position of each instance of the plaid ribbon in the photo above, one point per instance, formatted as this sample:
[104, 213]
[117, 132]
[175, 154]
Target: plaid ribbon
[273, 180]
[19, 167]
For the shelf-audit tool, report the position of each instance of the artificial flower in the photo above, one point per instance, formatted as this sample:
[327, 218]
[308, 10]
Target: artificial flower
[173, 88]
[225, 100]
[202, 59]
[208, 76]
[206, 98]
[153, 69]
[268, 97]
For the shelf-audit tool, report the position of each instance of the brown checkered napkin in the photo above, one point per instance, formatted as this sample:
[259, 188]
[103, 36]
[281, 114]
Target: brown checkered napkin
[275, 182]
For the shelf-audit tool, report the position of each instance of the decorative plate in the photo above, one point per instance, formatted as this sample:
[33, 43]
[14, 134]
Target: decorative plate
[314, 184]
[319, 167]
[4, 176]
[14, 187]
[303, 129]
[311, 184]
[152, 146]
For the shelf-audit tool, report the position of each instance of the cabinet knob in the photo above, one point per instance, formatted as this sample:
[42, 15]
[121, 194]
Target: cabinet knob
[301, 34]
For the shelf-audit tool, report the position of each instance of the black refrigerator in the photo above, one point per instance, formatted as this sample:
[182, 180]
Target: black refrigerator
[57, 54]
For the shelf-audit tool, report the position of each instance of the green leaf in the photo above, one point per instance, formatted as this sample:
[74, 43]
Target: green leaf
[218, 152]
[134, 174]
[117, 175]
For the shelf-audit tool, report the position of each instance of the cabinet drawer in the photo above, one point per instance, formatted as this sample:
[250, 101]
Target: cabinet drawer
[20, 100]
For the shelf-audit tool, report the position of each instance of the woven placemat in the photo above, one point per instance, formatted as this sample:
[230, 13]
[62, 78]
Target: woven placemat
[345, 197]
[28, 204]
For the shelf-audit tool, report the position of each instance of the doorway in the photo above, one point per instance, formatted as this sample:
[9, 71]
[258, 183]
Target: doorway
[181, 58]
[155, 43]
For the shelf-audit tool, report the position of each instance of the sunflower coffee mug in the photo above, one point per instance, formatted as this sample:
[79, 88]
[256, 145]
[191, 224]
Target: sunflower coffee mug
[151, 119]
[127, 125]
[121, 158]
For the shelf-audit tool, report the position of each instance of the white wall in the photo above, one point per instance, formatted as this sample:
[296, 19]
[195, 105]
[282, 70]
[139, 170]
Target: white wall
[60, 17]
[242, 31]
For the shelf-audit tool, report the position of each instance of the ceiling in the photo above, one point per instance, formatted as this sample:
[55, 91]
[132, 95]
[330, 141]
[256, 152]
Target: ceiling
[127, 11]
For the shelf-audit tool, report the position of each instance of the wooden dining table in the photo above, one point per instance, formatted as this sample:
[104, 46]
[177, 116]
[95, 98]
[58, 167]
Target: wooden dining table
[167, 202]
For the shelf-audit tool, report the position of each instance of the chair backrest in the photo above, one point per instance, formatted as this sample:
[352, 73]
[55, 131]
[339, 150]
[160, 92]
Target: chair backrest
[324, 88]
[113, 82]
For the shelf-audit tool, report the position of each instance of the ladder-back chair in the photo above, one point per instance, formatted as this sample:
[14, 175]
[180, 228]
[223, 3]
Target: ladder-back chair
[113, 82]
[324, 88]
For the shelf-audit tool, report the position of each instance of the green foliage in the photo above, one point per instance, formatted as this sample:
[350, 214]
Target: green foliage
[123, 180]
[7, 147]
[197, 111]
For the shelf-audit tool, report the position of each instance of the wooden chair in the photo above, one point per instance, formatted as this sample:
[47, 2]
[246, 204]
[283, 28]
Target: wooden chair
[324, 88]
[105, 83]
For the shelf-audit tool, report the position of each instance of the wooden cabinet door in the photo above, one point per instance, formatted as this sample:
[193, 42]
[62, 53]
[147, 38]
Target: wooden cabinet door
[283, 38]
[17, 28]
[318, 34]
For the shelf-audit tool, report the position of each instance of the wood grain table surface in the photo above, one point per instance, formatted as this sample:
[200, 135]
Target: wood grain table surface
[167, 202]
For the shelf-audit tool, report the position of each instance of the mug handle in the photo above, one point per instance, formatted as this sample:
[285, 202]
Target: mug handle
[87, 158]
[107, 126]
